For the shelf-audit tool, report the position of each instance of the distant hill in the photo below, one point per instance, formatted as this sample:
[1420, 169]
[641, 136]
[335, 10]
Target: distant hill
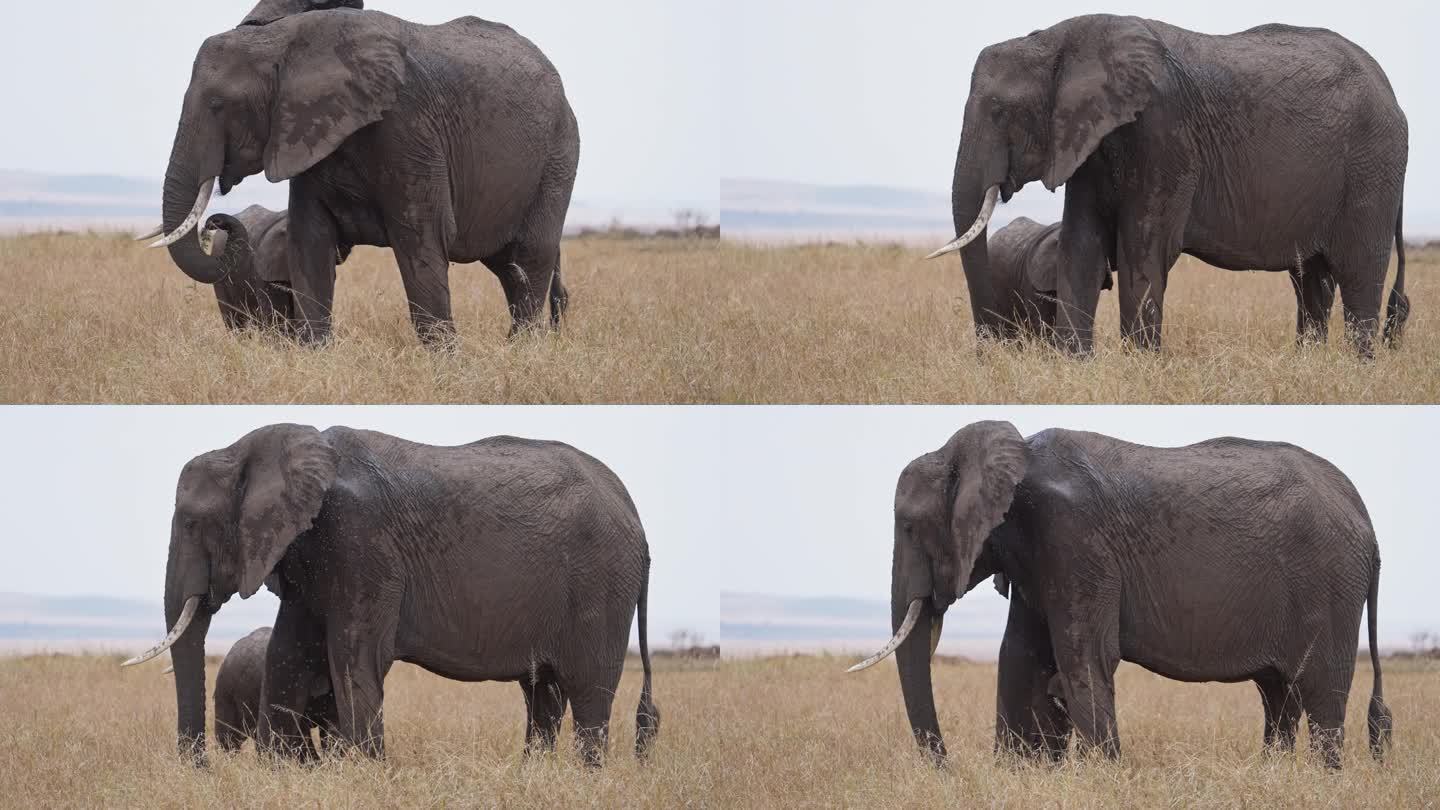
[776, 211]
[30, 623]
[758, 624]
[34, 201]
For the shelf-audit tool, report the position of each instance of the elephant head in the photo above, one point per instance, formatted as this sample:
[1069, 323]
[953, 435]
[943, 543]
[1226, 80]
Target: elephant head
[236, 512]
[276, 98]
[253, 250]
[947, 503]
[1039, 106]
[269, 11]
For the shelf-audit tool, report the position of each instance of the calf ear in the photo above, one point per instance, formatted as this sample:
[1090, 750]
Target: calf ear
[343, 74]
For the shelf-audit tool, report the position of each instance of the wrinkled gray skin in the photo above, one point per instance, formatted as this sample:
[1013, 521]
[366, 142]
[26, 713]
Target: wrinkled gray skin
[450, 142]
[255, 290]
[237, 695]
[1170, 141]
[502, 560]
[1229, 560]
[1023, 258]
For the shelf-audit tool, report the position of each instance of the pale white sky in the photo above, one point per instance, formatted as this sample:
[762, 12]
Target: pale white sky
[857, 92]
[815, 518]
[95, 86]
[89, 491]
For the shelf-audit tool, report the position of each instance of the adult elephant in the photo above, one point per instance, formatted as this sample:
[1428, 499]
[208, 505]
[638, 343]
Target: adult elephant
[450, 142]
[501, 560]
[1023, 258]
[1169, 141]
[1228, 560]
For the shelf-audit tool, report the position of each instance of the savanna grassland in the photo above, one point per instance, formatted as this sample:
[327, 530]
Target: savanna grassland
[96, 318]
[779, 732]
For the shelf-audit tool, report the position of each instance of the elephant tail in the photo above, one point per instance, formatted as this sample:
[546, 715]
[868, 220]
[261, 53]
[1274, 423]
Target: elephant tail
[1398, 309]
[647, 714]
[1380, 720]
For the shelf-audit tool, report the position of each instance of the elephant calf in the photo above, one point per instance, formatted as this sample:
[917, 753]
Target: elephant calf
[237, 695]
[1228, 560]
[1023, 259]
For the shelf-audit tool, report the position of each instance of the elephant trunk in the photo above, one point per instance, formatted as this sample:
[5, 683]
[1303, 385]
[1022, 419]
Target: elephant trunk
[241, 294]
[191, 173]
[913, 660]
[981, 167]
[187, 578]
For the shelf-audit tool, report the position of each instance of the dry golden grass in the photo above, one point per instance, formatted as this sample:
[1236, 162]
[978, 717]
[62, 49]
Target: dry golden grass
[80, 732]
[794, 732]
[811, 735]
[98, 319]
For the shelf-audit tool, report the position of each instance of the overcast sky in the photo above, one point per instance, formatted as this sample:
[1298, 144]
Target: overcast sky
[95, 86]
[852, 91]
[90, 492]
[816, 519]
[781, 500]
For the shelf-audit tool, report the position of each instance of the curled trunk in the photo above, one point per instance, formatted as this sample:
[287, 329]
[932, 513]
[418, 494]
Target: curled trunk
[191, 164]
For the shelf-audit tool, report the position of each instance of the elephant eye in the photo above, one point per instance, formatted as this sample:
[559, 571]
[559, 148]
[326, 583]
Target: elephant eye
[216, 104]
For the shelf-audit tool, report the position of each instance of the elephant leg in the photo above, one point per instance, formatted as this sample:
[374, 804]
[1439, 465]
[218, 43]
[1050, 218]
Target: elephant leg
[290, 668]
[1027, 721]
[559, 298]
[361, 651]
[1362, 287]
[1085, 236]
[1282, 712]
[231, 725]
[311, 255]
[1323, 694]
[1084, 629]
[325, 717]
[1149, 240]
[525, 291]
[425, 271]
[544, 709]
[1314, 298]
[591, 710]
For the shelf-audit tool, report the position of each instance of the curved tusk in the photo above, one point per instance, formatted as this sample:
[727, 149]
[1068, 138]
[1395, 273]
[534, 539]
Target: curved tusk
[169, 668]
[911, 616]
[202, 199]
[159, 229]
[986, 209]
[186, 614]
[207, 240]
[935, 625]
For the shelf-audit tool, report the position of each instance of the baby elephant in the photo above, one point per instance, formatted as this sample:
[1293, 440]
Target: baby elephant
[1023, 259]
[255, 290]
[237, 695]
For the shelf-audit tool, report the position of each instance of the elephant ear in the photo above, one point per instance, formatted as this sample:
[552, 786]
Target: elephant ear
[341, 72]
[1106, 74]
[1042, 265]
[989, 460]
[287, 469]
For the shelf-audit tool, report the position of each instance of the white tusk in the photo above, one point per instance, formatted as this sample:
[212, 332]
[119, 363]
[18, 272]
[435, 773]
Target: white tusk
[159, 229]
[207, 240]
[201, 200]
[986, 209]
[911, 616]
[186, 614]
[169, 668]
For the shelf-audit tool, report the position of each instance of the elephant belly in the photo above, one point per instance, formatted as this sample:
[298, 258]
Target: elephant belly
[1219, 628]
